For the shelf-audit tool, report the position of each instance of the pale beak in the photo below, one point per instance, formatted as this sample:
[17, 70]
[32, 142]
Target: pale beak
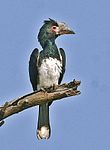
[68, 31]
[64, 29]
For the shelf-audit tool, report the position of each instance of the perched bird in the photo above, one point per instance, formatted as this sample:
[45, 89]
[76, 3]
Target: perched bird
[47, 67]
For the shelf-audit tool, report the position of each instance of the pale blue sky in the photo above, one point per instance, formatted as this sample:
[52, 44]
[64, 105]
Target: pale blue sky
[78, 123]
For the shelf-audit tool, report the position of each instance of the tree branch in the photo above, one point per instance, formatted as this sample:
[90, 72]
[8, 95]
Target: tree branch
[37, 98]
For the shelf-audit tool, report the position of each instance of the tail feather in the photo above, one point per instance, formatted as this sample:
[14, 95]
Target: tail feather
[43, 128]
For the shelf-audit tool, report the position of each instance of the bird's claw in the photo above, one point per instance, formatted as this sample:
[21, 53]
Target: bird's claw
[52, 88]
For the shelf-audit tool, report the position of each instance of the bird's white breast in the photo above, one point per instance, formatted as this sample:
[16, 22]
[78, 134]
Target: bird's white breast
[49, 72]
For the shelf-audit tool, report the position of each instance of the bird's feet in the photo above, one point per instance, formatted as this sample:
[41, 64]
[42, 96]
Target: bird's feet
[49, 89]
[43, 90]
[52, 88]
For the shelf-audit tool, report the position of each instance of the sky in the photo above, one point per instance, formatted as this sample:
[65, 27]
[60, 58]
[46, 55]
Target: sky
[80, 122]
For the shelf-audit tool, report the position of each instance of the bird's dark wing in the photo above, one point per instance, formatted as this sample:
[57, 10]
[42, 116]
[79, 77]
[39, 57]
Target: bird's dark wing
[62, 52]
[33, 69]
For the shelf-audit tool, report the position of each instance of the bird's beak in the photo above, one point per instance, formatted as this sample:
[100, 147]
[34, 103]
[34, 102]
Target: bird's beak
[64, 29]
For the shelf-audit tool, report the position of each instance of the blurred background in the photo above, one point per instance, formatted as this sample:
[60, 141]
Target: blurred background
[81, 122]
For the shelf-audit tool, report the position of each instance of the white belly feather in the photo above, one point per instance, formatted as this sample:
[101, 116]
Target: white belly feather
[49, 73]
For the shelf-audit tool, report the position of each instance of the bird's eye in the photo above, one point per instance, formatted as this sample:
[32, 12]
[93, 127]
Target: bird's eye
[54, 27]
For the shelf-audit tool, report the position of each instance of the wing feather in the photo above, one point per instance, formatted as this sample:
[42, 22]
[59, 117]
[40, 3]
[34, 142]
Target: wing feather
[62, 52]
[33, 68]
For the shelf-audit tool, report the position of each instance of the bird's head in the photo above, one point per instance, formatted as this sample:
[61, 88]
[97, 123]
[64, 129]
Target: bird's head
[52, 29]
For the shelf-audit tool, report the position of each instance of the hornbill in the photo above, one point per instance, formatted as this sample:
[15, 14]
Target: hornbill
[47, 67]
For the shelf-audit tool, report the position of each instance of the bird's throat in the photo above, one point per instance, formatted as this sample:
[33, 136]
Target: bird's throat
[51, 49]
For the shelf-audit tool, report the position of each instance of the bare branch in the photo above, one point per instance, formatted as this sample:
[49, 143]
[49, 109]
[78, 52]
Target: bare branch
[36, 98]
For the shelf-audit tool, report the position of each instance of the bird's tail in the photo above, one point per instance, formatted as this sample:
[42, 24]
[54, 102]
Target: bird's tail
[43, 128]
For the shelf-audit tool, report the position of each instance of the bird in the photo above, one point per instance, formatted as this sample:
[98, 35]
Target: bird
[47, 67]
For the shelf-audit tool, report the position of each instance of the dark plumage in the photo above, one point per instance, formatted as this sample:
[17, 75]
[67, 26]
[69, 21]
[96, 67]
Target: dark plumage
[47, 67]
